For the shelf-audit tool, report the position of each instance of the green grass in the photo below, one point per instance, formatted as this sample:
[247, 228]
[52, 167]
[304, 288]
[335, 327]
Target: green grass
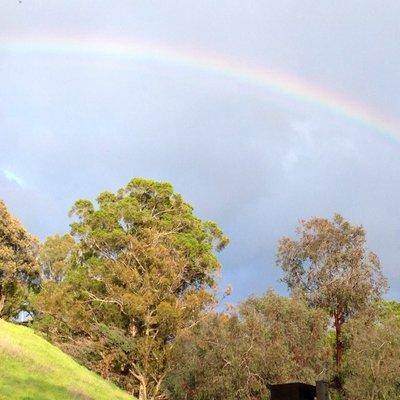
[33, 369]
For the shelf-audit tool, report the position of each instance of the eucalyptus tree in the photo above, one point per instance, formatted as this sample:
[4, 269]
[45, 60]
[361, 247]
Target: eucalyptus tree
[144, 268]
[328, 263]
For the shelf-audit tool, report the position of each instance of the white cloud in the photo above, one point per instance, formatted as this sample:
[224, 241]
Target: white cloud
[12, 177]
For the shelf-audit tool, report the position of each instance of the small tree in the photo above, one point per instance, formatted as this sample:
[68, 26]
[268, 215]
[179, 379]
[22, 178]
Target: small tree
[18, 267]
[142, 271]
[329, 265]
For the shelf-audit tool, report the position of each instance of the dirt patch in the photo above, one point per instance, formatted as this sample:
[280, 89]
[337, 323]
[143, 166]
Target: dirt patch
[77, 394]
[11, 349]
[8, 348]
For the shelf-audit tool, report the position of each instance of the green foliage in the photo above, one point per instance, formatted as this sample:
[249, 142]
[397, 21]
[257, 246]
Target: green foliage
[391, 309]
[129, 293]
[142, 269]
[328, 264]
[55, 257]
[271, 340]
[18, 267]
[33, 369]
[373, 357]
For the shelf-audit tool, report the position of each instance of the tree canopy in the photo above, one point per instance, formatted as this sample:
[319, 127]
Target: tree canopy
[236, 357]
[373, 356]
[330, 266]
[18, 266]
[130, 292]
[144, 268]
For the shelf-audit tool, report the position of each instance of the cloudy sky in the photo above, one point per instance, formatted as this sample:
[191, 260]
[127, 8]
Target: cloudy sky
[256, 160]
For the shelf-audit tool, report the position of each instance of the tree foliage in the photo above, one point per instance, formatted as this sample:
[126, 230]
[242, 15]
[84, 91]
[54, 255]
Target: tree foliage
[373, 357]
[130, 294]
[55, 257]
[18, 267]
[270, 340]
[143, 269]
[330, 266]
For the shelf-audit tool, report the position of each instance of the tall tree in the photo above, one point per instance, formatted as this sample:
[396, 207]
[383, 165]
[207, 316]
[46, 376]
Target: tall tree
[330, 266]
[18, 267]
[144, 269]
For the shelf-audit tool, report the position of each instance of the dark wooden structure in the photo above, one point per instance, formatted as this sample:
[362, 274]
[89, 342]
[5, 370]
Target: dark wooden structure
[293, 391]
[300, 391]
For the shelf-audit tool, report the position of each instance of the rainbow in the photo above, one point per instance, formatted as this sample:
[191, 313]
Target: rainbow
[287, 84]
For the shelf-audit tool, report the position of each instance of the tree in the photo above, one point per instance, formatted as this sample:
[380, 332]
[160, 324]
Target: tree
[373, 358]
[330, 266]
[207, 362]
[294, 333]
[18, 267]
[144, 269]
[270, 340]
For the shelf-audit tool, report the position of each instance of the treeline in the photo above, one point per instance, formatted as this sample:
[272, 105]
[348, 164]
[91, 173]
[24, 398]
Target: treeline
[130, 292]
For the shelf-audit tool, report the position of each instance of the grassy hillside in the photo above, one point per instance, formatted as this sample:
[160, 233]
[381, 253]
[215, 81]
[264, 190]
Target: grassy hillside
[33, 369]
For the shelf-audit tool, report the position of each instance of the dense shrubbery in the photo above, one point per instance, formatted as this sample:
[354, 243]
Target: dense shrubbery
[372, 370]
[270, 339]
[130, 293]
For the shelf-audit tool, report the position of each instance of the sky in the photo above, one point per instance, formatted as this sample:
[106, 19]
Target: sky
[253, 157]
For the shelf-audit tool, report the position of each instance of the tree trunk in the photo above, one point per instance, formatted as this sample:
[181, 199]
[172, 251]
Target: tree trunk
[143, 388]
[144, 393]
[157, 395]
[339, 350]
[2, 301]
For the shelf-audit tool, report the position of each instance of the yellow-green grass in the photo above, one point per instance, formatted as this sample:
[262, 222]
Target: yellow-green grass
[33, 369]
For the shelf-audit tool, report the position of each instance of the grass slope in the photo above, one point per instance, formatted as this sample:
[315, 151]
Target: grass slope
[33, 369]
